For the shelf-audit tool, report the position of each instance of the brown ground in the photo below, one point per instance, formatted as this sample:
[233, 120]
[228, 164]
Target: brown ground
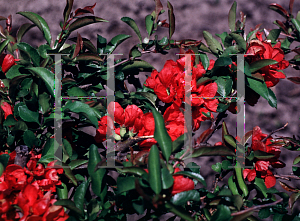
[192, 18]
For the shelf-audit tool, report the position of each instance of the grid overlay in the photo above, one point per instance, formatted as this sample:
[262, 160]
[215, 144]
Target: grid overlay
[110, 89]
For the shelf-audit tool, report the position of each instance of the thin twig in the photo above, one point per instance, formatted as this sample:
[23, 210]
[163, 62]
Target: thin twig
[263, 140]
[256, 208]
[287, 177]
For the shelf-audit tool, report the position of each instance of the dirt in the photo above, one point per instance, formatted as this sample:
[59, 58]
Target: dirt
[192, 18]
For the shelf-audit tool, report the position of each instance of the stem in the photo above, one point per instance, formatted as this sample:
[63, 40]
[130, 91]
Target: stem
[287, 177]
[263, 140]
[256, 208]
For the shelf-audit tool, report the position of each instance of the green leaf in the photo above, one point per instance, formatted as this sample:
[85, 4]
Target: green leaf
[62, 191]
[261, 155]
[134, 52]
[23, 29]
[217, 167]
[49, 151]
[255, 66]
[260, 185]
[181, 198]
[98, 175]
[77, 92]
[43, 50]
[192, 175]
[10, 120]
[85, 109]
[3, 45]
[29, 139]
[212, 43]
[31, 52]
[76, 163]
[224, 85]
[125, 184]
[222, 36]
[84, 21]
[149, 24]
[133, 25]
[47, 76]
[293, 198]
[171, 20]
[4, 158]
[154, 170]
[161, 135]
[259, 86]
[79, 196]
[44, 99]
[223, 61]
[274, 34]
[136, 64]
[14, 71]
[222, 214]
[204, 60]
[212, 151]
[68, 10]
[264, 213]
[178, 143]
[69, 174]
[242, 45]
[40, 23]
[28, 115]
[87, 57]
[1, 169]
[232, 17]
[167, 178]
[297, 25]
[132, 170]
[69, 204]
[114, 42]
[101, 44]
[226, 164]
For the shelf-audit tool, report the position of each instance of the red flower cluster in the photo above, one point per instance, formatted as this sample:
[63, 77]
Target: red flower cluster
[25, 188]
[135, 120]
[169, 86]
[7, 108]
[181, 183]
[259, 49]
[262, 166]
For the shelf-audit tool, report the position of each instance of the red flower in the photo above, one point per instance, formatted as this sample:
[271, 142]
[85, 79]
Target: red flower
[102, 129]
[258, 50]
[181, 183]
[147, 130]
[132, 113]
[174, 121]
[7, 61]
[115, 109]
[7, 108]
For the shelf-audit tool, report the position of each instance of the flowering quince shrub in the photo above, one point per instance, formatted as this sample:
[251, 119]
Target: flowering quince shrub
[46, 174]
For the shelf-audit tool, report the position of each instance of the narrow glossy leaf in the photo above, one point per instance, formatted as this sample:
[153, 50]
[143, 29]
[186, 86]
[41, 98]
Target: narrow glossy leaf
[192, 175]
[79, 196]
[69, 174]
[84, 21]
[4, 158]
[79, 107]
[297, 25]
[125, 184]
[28, 115]
[263, 155]
[68, 9]
[69, 204]
[204, 60]
[167, 178]
[30, 139]
[212, 43]
[213, 151]
[135, 53]
[40, 23]
[154, 170]
[23, 29]
[44, 102]
[229, 139]
[293, 198]
[149, 24]
[133, 25]
[232, 17]
[279, 9]
[31, 52]
[223, 61]
[246, 137]
[260, 185]
[78, 47]
[3, 45]
[161, 135]
[101, 44]
[76, 163]
[132, 170]
[137, 64]
[47, 76]
[114, 42]
[295, 80]
[181, 198]
[273, 35]
[49, 150]
[178, 143]
[171, 20]
[158, 8]
[288, 187]
[239, 41]
[255, 66]
[88, 57]
[98, 175]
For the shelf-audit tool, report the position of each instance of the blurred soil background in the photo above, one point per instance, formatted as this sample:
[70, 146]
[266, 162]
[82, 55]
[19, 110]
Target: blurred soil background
[192, 18]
